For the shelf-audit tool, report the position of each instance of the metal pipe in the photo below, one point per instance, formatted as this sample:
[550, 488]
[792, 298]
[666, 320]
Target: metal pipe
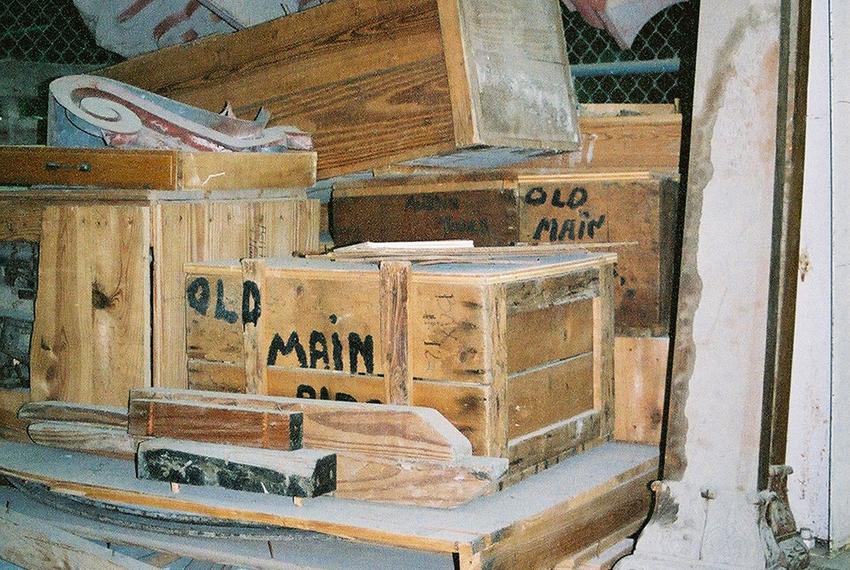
[626, 67]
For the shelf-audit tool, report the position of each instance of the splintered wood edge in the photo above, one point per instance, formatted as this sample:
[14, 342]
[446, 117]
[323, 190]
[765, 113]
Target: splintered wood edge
[51, 410]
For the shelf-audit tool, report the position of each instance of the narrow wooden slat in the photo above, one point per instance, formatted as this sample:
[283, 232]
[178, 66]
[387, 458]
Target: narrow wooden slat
[88, 438]
[69, 412]
[546, 335]
[207, 422]
[640, 377]
[299, 473]
[33, 544]
[379, 430]
[256, 369]
[394, 292]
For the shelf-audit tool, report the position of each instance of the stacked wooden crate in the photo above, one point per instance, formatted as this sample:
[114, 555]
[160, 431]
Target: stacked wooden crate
[111, 230]
[515, 350]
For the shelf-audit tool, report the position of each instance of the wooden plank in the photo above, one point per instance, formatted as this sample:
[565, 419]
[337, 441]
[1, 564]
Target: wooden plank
[394, 293]
[542, 336]
[299, 473]
[549, 394]
[420, 483]
[256, 370]
[202, 421]
[530, 450]
[92, 356]
[21, 220]
[640, 378]
[12, 428]
[603, 350]
[583, 485]
[382, 431]
[387, 76]
[33, 544]
[88, 438]
[69, 412]
[154, 169]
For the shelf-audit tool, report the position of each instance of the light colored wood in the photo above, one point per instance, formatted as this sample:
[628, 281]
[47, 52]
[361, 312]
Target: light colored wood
[605, 560]
[206, 422]
[21, 220]
[256, 371]
[549, 394]
[298, 473]
[91, 337]
[33, 544]
[528, 453]
[640, 377]
[405, 79]
[394, 293]
[11, 427]
[155, 169]
[541, 336]
[577, 502]
[88, 438]
[69, 412]
[383, 431]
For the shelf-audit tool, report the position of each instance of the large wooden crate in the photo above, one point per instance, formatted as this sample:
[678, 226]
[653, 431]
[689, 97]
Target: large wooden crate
[633, 213]
[96, 275]
[515, 352]
[445, 82]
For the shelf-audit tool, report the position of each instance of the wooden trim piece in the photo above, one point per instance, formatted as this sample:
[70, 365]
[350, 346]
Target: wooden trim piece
[496, 346]
[256, 368]
[603, 350]
[207, 422]
[394, 293]
[70, 412]
[530, 449]
[88, 438]
[413, 431]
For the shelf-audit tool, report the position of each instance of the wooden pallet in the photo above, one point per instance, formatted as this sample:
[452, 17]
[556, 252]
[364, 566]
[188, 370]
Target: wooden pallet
[534, 524]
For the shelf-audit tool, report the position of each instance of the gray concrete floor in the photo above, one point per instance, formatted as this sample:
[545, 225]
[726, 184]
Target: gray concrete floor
[837, 561]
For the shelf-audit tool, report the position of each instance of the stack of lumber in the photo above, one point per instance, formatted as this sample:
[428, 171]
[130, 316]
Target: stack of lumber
[287, 446]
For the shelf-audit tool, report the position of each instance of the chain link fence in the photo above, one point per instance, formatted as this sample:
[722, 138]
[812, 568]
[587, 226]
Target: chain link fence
[52, 31]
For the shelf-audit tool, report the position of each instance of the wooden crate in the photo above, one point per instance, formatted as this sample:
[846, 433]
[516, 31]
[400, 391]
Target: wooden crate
[445, 82]
[516, 353]
[109, 297]
[631, 213]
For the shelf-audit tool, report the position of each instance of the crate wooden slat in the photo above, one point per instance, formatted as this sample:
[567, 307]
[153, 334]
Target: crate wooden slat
[486, 342]
[451, 82]
[155, 169]
[633, 213]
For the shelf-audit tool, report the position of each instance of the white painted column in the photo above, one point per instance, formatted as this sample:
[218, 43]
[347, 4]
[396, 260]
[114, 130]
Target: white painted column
[708, 511]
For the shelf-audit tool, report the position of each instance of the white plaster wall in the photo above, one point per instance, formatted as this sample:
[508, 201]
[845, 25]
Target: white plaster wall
[813, 374]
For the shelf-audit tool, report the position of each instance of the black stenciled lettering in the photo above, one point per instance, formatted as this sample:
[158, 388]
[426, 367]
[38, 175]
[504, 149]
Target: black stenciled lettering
[305, 391]
[198, 295]
[337, 351]
[594, 225]
[324, 394]
[542, 226]
[318, 349]
[578, 197]
[374, 402]
[581, 227]
[363, 347]
[343, 397]
[536, 197]
[250, 296]
[568, 230]
[553, 229]
[222, 313]
[284, 348]
[556, 199]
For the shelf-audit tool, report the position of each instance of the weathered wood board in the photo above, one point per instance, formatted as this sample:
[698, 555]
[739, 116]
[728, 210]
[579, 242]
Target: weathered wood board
[299, 473]
[640, 380]
[104, 315]
[108, 441]
[631, 213]
[452, 82]
[115, 169]
[46, 411]
[469, 327]
[205, 422]
[534, 524]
